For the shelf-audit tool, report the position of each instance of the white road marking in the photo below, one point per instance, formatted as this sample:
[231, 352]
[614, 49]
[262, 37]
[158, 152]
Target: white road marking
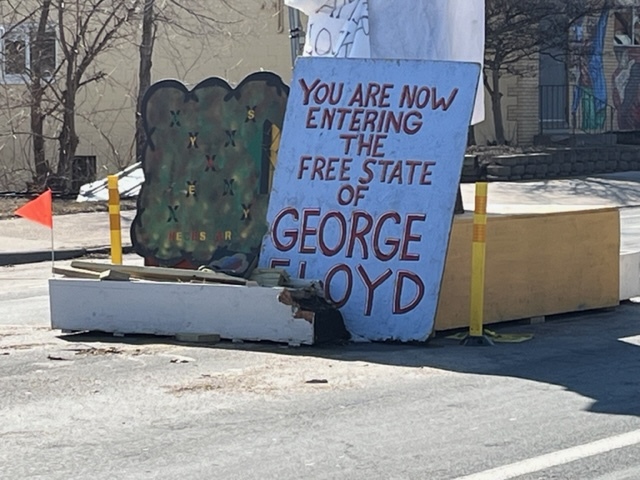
[561, 457]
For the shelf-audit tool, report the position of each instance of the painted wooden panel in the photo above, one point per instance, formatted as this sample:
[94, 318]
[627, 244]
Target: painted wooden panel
[210, 156]
[536, 265]
[364, 192]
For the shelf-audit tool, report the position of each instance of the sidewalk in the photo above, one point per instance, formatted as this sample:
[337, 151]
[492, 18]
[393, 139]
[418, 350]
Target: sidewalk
[75, 235]
[22, 241]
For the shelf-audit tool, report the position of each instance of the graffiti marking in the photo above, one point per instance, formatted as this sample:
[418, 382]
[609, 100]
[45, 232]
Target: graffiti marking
[228, 187]
[251, 114]
[210, 166]
[231, 138]
[246, 212]
[173, 213]
[175, 118]
[191, 188]
[193, 140]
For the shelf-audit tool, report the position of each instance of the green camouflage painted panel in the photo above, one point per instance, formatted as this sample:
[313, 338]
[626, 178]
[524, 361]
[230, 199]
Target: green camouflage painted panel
[208, 166]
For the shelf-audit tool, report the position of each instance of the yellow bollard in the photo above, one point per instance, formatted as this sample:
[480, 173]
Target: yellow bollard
[114, 220]
[476, 328]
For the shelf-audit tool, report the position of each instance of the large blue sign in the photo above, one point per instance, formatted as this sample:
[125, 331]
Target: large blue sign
[364, 191]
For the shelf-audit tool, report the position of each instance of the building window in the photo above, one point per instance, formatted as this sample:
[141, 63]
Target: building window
[627, 23]
[18, 54]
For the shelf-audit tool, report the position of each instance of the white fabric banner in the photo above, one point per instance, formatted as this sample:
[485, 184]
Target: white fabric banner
[398, 29]
[338, 28]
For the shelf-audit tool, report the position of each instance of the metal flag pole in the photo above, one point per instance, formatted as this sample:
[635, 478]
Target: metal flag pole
[53, 252]
[296, 34]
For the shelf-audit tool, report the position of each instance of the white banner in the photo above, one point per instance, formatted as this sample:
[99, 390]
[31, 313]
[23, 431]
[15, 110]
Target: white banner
[398, 29]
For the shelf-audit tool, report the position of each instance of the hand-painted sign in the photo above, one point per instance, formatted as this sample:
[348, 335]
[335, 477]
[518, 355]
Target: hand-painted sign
[208, 166]
[364, 192]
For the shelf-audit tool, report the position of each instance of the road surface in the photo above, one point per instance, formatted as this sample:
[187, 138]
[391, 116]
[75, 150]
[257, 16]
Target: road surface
[565, 405]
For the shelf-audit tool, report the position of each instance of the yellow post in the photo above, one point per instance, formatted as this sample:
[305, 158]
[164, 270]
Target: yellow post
[478, 261]
[114, 220]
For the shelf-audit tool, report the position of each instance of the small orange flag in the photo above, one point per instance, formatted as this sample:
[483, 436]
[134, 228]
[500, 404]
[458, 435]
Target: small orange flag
[38, 210]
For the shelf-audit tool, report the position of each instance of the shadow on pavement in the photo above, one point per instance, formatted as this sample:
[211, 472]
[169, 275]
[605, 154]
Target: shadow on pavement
[595, 354]
[621, 190]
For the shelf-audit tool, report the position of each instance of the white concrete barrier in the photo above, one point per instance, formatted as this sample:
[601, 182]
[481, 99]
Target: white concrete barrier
[629, 275]
[163, 308]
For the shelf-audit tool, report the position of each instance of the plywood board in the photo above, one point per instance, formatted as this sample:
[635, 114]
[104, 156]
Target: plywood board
[536, 265]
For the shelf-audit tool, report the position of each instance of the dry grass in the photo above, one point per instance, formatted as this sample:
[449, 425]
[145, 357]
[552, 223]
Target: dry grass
[8, 205]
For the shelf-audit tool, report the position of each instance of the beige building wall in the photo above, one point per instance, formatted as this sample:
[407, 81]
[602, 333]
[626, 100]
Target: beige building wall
[257, 40]
[485, 131]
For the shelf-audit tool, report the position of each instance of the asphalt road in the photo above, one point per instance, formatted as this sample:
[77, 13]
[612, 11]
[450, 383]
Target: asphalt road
[565, 405]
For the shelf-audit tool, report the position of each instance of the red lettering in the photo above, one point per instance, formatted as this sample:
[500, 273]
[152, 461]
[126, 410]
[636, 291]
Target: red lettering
[328, 114]
[302, 270]
[279, 262]
[398, 308]
[367, 169]
[426, 173]
[322, 230]
[351, 193]
[357, 96]
[306, 90]
[318, 165]
[354, 125]
[345, 168]
[385, 165]
[307, 231]
[408, 237]
[411, 128]
[384, 96]
[348, 137]
[370, 117]
[371, 286]
[292, 235]
[441, 102]
[407, 96]
[358, 233]
[311, 117]
[394, 243]
[373, 89]
[412, 169]
[396, 173]
[328, 281]
[378, 145]
[331, 168]
[302, 166]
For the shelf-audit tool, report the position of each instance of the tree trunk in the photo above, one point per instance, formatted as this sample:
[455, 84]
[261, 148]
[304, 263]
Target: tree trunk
[471, 136]
[37, 136]
[68, 140]
[146, 54]
[36, 91]
[496, 107]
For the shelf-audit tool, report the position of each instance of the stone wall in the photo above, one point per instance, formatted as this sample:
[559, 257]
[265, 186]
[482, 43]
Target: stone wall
[551, 163]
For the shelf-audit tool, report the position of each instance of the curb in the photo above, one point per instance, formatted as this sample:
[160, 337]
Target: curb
[37, 256]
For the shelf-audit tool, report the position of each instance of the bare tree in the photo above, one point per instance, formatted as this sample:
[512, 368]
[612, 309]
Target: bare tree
[194, 20]
[147, 42]
[516, 31]
[86, 30]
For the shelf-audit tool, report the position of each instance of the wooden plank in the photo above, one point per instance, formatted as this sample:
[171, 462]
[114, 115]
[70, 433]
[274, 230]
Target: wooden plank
[160, 273]
[114, 276]
[75, 273]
